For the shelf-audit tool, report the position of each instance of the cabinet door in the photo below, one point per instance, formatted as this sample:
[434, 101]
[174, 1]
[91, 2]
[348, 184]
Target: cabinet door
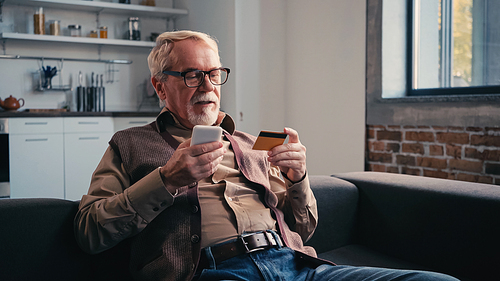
[82, 153]
[36, 165]
[122, 123]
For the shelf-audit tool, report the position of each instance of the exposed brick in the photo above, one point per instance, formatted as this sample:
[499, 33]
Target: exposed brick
[380, 157]
[377, 146]
[430, 162]
[424, 127]
[371, 134]
[405, 160]
[494, 129]
[440, 128]
[485, 179]
[492, 168]
[436, 174]
[394, 126]
[393, 169]
[456, 138]
[454, 151]
[411, 171]
[453, 128]
[408, 127]
[377, 168]
[377, 126]
[490, 155]
[419, 136]
[485, 140]
[436, 150]
[467, 177]
[417, 148]
[474, 129]
[389, 135]
[393, 147]
[466, 165]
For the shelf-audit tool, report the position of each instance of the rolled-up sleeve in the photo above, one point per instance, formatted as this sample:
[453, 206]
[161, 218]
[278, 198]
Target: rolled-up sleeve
[297, 202]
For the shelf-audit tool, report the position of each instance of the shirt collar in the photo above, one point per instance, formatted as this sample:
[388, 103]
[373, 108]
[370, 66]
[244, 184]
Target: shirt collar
[166, 118]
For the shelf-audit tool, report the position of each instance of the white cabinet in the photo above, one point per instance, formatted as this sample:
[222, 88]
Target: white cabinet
[85, 140]
[55, 157]
[121, 123]
[36, 157]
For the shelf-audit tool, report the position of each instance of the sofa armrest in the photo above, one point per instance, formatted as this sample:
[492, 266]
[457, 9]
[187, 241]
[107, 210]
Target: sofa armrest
[444, 224]
[337, 202]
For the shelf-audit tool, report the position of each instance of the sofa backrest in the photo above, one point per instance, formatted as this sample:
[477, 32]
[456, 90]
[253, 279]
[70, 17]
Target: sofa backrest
[449, 225]
[37, 243]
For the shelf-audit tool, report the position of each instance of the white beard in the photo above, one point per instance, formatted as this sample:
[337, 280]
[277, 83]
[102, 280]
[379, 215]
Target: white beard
[208, 116]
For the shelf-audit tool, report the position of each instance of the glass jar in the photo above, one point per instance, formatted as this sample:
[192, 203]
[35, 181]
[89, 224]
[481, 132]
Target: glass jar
[55, 28]
[39, 21]
[103, 32]
[75, 30]
[93, 34]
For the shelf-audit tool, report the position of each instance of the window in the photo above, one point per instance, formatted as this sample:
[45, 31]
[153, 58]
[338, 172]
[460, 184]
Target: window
[455, 47]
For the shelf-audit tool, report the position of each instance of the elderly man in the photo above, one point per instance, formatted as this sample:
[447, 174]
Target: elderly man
[213, 211]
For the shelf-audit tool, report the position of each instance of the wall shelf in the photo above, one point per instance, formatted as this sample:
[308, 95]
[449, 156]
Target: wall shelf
[103, 7]
[78, 40]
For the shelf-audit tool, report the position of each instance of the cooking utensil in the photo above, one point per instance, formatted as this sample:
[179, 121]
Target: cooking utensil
[103, 97]
[80, 90]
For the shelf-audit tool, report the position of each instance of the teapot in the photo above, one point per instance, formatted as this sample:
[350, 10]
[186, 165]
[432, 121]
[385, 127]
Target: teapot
[11, 103]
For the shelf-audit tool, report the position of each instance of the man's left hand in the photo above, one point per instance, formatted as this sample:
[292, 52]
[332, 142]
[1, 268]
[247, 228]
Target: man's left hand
[290, 157]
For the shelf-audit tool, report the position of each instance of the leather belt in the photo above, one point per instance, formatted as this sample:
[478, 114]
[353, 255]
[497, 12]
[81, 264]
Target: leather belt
[244, 244]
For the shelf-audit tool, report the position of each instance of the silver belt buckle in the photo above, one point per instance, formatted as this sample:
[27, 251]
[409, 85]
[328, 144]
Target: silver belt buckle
[245, 243]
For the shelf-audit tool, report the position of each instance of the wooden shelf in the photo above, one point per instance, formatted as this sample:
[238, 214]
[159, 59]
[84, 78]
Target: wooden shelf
[103, 7]
[77, 40]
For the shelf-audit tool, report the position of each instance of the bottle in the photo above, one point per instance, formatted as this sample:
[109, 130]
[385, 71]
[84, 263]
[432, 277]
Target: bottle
[39, 21]
[134, 29]
[93, 34]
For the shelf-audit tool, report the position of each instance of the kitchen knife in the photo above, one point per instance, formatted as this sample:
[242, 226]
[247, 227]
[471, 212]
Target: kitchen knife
[79, 92]
[103, 96]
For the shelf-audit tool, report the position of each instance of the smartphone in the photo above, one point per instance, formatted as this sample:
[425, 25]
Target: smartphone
[204, 134]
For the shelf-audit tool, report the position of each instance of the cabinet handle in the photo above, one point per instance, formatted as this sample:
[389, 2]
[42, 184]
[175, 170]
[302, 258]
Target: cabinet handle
[88, 123]
[45, 139]
[138, 122]
[36, 123]
[88, 138]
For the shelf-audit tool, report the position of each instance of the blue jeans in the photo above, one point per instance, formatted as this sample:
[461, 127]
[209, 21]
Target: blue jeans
[279, 264]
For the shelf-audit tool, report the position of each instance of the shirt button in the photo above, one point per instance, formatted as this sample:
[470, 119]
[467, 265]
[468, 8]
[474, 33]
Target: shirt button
[194, 209]
[156, 209]
[230, 199]
[195, 239]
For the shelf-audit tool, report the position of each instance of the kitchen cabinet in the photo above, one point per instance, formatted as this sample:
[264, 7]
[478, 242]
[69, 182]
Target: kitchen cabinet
[36, 157]
[85, 140]
[121, 123]
[55, 157]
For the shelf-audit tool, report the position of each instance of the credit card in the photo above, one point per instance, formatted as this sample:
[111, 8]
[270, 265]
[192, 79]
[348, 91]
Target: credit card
[267, 140]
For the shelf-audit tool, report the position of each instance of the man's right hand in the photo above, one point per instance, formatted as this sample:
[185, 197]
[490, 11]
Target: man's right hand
[191, 164]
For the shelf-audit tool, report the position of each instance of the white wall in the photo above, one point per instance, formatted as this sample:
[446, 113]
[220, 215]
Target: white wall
[298, 64]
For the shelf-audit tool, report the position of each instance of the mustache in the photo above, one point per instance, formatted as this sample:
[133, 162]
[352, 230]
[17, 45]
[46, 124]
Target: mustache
[206, 97]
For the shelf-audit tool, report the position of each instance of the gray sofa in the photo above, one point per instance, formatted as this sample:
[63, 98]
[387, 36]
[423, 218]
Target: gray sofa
[366, 218]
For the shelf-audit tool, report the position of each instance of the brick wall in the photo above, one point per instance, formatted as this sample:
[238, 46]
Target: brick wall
[458, 153]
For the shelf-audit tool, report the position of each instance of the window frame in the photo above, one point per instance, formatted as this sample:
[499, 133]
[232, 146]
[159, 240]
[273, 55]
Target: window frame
[410, 66]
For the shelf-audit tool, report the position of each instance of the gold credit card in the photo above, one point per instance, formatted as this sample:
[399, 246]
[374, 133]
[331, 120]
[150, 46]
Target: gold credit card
[267, 140]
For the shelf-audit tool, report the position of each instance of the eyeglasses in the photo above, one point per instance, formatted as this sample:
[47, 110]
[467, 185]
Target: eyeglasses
[194, 78]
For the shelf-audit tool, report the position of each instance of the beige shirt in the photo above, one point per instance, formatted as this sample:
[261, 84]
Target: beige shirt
[230, 205]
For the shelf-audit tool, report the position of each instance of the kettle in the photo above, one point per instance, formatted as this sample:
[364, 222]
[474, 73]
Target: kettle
[11, 103]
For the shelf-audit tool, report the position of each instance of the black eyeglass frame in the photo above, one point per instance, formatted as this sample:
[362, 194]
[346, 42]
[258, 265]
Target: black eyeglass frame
[205, 73]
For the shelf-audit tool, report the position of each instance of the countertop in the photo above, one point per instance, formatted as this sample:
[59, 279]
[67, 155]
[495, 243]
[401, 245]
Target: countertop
[11, 114]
